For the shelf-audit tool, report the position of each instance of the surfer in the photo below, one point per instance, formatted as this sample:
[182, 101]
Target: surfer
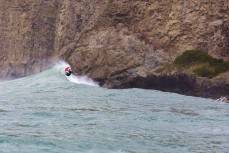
[68, 71]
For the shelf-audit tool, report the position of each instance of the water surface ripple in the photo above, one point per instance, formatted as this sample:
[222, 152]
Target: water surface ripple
[46, 113]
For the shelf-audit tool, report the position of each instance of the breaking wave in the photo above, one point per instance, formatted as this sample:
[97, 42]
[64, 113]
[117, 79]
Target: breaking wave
[78, 79]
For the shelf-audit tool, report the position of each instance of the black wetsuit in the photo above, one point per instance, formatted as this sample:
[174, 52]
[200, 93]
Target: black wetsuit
[68, 73]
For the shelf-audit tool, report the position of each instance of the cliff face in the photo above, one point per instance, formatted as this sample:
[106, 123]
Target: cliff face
[111, 41]
[153, 33]
[27, 34]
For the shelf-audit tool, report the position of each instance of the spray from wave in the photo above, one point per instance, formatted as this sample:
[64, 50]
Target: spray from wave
[61, 65]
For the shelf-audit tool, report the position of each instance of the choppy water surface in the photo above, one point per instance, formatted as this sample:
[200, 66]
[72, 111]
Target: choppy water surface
[47, 113]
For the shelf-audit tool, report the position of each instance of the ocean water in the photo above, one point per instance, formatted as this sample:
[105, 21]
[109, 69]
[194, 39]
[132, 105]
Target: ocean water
[50, 113]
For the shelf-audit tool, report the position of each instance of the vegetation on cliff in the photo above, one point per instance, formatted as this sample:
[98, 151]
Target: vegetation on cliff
[202, 63]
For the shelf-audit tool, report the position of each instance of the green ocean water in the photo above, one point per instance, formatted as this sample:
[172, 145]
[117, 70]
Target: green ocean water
[49, 113]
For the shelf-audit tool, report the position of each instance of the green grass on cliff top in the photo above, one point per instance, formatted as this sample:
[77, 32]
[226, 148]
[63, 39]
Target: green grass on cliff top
[208, 66]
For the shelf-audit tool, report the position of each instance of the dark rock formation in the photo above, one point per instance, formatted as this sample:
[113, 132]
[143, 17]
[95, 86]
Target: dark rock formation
[120, 43]
[179, 83]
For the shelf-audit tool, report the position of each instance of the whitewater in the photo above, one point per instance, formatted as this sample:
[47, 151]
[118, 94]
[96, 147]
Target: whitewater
[52, 113]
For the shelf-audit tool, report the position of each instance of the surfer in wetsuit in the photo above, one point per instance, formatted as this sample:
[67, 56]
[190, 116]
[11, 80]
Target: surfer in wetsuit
[68, 71]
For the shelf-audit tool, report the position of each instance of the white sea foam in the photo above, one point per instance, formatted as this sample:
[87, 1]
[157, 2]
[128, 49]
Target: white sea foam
[82, 80]
[78, 79]
[61, 65]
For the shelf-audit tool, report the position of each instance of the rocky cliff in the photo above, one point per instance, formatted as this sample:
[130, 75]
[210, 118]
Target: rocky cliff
[119, 43]
[27, 34]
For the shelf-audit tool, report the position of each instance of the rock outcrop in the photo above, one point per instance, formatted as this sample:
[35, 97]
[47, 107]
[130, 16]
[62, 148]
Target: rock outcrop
[27, 36]
[119, 43]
